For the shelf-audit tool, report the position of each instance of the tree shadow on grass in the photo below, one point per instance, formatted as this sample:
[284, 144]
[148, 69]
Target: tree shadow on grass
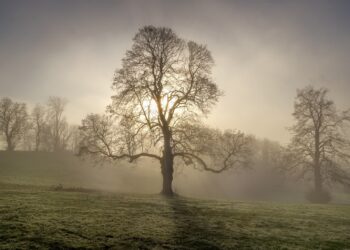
[192, 230]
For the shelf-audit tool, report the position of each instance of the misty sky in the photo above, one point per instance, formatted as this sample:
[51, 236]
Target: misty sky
[263, 52]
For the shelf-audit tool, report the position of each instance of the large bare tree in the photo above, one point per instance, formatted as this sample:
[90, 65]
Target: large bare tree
[13, 119]
[319, 143]
[161, 92]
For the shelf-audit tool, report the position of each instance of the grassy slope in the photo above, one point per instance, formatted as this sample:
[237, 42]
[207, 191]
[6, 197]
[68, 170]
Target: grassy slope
[41, 168]
[35, 217]
[52, 169]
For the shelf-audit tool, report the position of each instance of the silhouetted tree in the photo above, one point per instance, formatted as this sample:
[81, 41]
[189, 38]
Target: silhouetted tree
[13, 119]
[57, 127]
[162, 89]
[319, 143]
[38, 124]
[73, 142]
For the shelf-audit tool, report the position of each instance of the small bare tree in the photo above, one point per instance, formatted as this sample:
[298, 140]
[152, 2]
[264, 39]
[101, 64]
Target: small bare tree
[73, 140]
[162, 89]
[319, 143]
[38, 124]
[57, 129]
[13, 120]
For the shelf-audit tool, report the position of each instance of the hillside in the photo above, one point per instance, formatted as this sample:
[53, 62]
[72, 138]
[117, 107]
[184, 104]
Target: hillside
[40, 168]
[52, 169]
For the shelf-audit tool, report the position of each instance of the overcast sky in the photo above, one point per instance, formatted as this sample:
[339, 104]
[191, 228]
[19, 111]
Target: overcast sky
[263, 52]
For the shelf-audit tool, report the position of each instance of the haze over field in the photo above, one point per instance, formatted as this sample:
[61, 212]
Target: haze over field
[263, 52]
[161, 124]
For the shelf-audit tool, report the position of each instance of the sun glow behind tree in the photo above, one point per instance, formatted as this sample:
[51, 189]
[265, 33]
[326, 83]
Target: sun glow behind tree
[162, 91]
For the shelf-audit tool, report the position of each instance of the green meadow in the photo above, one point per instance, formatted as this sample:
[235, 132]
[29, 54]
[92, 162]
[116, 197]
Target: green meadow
[40, 215]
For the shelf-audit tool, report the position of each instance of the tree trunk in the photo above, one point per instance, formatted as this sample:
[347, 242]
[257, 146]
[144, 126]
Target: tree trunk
[167, 166]
[10, 146]
[167, 173]
[10, 149]
[37, 142]
[318, 179]
[317, 165]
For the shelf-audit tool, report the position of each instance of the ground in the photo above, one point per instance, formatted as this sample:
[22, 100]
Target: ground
[44, 217]
[38, 213]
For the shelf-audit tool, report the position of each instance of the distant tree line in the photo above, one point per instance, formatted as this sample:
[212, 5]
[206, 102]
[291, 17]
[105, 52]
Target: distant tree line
[44, 128]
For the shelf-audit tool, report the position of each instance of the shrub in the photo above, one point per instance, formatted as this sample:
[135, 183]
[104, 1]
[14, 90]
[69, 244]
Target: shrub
[58, 187]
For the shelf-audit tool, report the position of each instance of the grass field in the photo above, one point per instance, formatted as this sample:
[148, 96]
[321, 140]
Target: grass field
[38, 217]
[35, 215]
